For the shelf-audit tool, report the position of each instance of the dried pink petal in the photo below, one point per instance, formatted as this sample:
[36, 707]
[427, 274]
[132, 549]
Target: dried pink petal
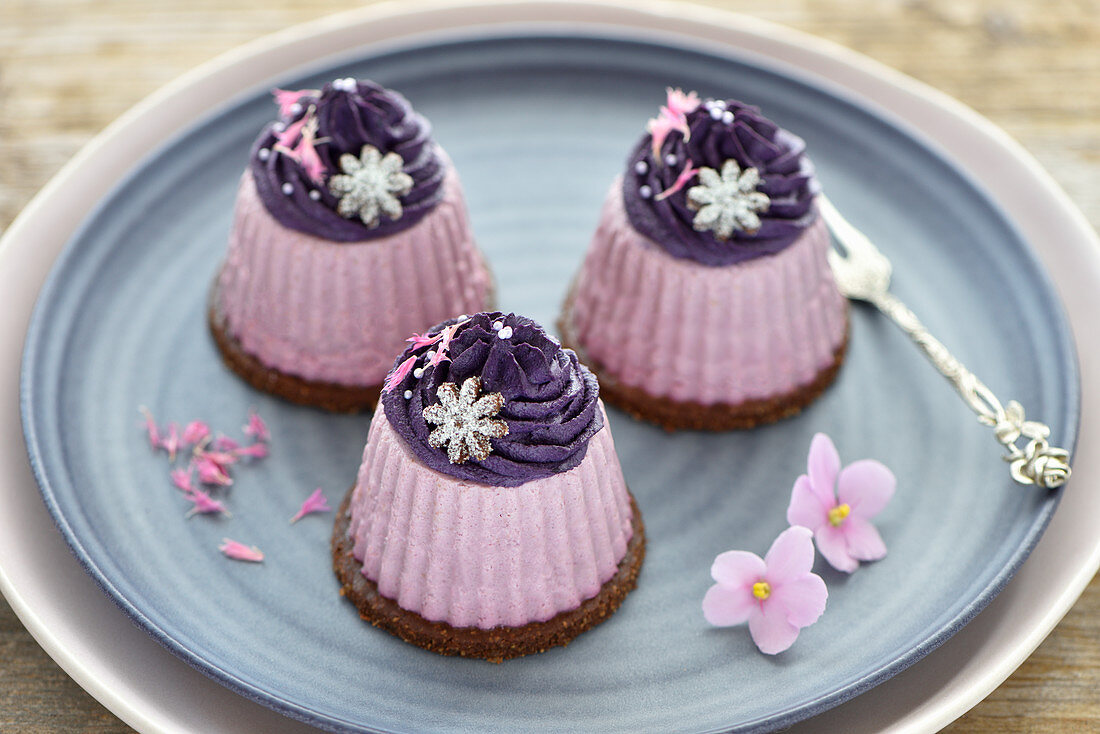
[286, 140]
[252, 451]
[194, 433]
[211, 472]
[224, 443]
[256, 428]
[685, 175]
[399, 373]
[151, 428]
[204, 504]
[240, 551]
[182, 478]
[307, 156]
[171, 442]
[316, 502]
[286, 99]
[423, 340]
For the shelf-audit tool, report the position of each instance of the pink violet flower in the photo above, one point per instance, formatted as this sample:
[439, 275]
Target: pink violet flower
[204, 504]
[225, 443]
[444, 344]
[685, 175]
[194, 433]
[681, 104]
[423, 340]
[837, 505]
[256, 428]
[777, 595]
[240, 551]
[673, 116]
[316, 502]
[306, 154]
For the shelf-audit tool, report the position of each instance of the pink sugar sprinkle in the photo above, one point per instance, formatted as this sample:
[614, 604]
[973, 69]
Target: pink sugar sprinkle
[240, 551]
[316, 502]
[205, 504]
[256, 428]
[194, 433]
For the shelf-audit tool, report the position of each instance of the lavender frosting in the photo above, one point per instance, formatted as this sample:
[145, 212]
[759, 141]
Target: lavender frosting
[753, 141]
[550, 399]
[348, 117]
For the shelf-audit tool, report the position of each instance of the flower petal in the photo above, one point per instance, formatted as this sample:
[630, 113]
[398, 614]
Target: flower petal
[833, 546]
[804, 599]
[771, 632]
[791, 555]
[724, 606]
[864, 541]
[806, 508]
[823, 466]
[866, 486]
[738, 569]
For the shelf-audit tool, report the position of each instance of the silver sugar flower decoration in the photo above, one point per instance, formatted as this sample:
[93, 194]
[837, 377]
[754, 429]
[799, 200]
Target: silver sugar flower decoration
[370, 185]
[728, 201]
[465, 420]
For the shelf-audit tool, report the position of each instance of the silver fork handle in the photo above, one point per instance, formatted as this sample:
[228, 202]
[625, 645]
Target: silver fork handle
[1037, 462]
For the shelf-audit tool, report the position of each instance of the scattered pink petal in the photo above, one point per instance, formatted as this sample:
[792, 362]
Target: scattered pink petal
[286, 99]
[195, 433]
[225, 443]
[777, 595]
[423, 340]
[151, 428]
[171, 442]
[240, 551]
[306, 154]
[673, 116]
[659, 127]
[256, 428]
[204, 504]
[399, 373]
[680, 104]
[286, 140]
[444, 344]
[837, 505]
[182, 478]
[211, 472]
[316, 502]
[252, 451]
[685, 175]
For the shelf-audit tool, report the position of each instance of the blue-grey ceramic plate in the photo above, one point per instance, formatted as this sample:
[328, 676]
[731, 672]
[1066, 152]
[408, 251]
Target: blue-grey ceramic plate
[538, 127]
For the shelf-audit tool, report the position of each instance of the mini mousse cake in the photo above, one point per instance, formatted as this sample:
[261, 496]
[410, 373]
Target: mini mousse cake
[705, 300]
[490, 517]
[350, 232]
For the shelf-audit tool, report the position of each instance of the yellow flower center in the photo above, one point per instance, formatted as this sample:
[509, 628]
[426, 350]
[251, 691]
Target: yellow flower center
[761, 590]
[838, 514]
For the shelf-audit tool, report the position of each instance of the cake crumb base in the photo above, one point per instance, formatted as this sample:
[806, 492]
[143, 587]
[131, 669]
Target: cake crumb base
[496, 644]
[673, 415]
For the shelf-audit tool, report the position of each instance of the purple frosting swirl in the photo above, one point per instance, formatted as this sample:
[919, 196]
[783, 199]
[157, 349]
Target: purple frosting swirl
[550, 399]
[348, 117]
[753, 141]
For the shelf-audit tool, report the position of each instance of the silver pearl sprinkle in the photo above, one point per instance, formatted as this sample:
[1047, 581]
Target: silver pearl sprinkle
[498, 325]
[263, 154]
[715, 113]
[641, 168]
[727, 117]
[418, 372]
[315, 194]
[288, 189]
[408, 394]
[645, 192]
[670, 159]
[505, 333]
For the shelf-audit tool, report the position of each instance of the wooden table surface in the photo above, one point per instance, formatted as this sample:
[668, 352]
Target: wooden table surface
[68, 68]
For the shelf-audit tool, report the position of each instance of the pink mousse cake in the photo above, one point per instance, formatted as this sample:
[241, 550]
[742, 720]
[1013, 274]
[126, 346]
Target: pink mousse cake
[350, 232]
[706, 300]
[490, 517]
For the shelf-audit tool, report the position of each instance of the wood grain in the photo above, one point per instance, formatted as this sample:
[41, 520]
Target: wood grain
[69, 67]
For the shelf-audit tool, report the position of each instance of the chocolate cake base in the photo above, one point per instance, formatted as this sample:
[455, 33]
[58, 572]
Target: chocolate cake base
[675, 415]
[327, 395]
[496, 644]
